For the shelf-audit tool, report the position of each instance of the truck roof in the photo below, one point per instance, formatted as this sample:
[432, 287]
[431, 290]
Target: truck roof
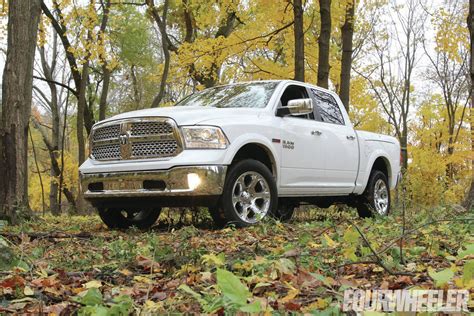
[275, 80]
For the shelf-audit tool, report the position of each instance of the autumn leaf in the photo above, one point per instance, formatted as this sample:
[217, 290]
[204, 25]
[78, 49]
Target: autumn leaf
[231, 287]
[442, 277]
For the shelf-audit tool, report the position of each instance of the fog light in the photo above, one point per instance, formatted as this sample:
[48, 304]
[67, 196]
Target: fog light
[193, 181]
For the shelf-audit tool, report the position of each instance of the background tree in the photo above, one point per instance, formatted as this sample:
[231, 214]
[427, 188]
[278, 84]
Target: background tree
[449, 70]
[395, 51]
[161, 22]
[53, 107]
[347, 34]
[324, 43]
[469, 200]
[299, 40]
[23, 19]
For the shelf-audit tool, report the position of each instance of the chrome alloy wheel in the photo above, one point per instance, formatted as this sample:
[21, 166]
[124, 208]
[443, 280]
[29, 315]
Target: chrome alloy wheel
[381, 197]
[251, 197]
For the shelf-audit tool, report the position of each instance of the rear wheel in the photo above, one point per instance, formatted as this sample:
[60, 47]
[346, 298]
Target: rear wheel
[116, 218]
[249, 195]
[376, 198]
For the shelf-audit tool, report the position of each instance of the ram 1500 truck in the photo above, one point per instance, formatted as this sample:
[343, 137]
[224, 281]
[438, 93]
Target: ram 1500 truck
[245, 150]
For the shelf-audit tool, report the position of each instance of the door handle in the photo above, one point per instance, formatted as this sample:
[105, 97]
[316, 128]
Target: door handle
[350, 137]
[317, 133]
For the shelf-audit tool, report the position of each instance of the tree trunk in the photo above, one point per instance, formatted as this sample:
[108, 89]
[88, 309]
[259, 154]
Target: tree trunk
[299, 40]
[346, 62]
[469, 200]
[324, 40]
[55, 133]
[105, 91]
[81, 145]
[107, 73]
[137, 99]
[404, 147]
[23, 19]
[161, 23]
[81, 105]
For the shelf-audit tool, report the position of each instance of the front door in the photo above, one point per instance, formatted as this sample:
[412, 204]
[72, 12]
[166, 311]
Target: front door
[303, 160]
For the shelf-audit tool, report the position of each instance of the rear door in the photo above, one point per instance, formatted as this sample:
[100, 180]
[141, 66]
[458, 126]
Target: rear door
[338, 141]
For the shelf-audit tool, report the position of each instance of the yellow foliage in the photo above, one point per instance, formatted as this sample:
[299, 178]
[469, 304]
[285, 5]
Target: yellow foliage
[70, 179]
[429, 182]
[365, 112]
[452, 36]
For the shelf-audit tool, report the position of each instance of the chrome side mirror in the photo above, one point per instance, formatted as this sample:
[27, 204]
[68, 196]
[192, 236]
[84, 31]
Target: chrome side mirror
[297, 107]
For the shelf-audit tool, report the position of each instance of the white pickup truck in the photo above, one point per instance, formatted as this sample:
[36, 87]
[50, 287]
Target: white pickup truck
[246, 151]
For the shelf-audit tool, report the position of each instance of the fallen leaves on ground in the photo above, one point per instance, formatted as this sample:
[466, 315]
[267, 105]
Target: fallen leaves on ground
[74, 264]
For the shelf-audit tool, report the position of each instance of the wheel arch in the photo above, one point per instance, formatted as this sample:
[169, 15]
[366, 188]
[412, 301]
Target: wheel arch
[258, 151]
[382, 164]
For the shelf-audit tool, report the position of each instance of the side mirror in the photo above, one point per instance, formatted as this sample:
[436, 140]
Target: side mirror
[297, 107]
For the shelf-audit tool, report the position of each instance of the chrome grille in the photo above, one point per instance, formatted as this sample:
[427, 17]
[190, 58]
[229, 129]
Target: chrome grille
[150, 128]
[106, 152]
[139, 138]
[107, 132]
[154, 149]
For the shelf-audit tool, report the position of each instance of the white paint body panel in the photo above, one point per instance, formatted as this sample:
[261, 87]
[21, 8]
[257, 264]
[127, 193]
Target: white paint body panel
[328, 164]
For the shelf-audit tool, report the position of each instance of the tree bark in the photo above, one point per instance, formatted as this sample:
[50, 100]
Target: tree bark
[107, 73]
[104, 93]
[81, 105]
[469, 200]
[23, 19]
[299, 40]
[324, 41]
[347, 31]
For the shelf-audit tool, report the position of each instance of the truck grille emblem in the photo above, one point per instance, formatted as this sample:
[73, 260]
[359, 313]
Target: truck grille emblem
[125, 145]
[123, 139]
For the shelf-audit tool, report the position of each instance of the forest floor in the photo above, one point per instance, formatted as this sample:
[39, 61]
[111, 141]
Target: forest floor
[68, 264]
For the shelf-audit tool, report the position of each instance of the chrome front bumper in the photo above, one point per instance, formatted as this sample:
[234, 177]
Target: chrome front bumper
[172, 182]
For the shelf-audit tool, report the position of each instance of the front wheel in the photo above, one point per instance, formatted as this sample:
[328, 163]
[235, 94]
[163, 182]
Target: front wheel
[249, 195]
[376, 198]
[116, 218]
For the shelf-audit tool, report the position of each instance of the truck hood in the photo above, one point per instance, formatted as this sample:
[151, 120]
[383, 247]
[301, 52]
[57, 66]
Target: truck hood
[189, 115]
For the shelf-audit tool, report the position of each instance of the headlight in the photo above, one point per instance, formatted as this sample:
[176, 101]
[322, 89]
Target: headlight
[204, 137]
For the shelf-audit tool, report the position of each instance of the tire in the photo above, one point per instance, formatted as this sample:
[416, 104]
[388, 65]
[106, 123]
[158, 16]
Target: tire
[116, 218]
[249, 195]
[376, 197]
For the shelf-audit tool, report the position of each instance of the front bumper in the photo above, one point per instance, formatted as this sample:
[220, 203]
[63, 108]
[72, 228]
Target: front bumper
[157, 183]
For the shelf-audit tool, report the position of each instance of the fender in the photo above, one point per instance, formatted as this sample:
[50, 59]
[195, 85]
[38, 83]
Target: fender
[364, 174]
[252, 138]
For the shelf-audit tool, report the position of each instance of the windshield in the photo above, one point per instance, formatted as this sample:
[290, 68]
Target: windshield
[241, 95]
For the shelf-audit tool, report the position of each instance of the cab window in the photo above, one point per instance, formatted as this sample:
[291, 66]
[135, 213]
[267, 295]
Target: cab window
[327, 107]
[295, 92]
